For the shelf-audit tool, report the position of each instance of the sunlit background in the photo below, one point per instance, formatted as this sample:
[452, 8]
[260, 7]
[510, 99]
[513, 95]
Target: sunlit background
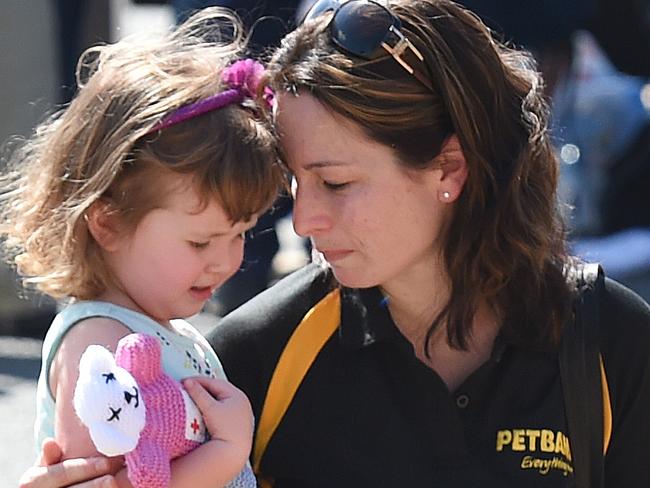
[601, 131]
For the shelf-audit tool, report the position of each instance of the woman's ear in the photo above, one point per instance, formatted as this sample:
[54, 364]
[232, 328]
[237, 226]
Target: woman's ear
[103, 225]
[453, 168]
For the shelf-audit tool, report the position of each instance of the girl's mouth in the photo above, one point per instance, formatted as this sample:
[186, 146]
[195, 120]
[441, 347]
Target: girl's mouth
[202, 293]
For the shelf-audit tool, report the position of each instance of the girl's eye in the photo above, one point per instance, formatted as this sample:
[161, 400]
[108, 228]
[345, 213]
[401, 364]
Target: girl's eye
[335, 186]
[199, 245]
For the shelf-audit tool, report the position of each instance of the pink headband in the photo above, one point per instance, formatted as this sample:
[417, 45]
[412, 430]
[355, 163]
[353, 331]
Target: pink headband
[243, 78]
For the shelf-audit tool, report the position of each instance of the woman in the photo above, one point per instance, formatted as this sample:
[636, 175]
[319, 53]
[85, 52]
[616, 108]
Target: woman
[423, 172]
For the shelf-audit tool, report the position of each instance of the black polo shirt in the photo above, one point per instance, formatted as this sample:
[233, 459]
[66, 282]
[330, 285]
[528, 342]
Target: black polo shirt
[370, 414]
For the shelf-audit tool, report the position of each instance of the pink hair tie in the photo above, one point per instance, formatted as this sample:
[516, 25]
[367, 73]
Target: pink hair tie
[242, 77]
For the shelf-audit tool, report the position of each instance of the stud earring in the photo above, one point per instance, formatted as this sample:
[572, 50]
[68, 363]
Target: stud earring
[446, 195]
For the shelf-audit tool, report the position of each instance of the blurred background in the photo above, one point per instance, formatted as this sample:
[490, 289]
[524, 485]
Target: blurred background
[40, 41]
[594, 57]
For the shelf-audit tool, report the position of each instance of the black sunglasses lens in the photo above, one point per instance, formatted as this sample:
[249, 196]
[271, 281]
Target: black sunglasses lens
[361, 27]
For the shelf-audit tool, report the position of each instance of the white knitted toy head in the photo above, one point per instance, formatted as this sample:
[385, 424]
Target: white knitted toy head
[108, 401]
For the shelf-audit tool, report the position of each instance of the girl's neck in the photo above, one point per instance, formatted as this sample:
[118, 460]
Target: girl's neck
[118, 297]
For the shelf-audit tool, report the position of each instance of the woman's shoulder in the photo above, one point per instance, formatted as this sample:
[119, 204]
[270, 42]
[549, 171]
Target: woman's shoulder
[624, 328]
[277, 310]
[249, 340]
[624, 313]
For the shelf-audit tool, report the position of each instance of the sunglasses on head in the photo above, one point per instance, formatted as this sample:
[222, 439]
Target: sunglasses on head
[367, 29]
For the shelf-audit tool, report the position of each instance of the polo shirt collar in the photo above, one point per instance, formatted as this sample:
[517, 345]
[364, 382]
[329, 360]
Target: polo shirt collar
[365, 320]
[364, 317]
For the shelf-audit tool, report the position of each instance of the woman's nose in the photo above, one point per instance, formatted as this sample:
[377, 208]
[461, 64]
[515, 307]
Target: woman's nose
[310, 214]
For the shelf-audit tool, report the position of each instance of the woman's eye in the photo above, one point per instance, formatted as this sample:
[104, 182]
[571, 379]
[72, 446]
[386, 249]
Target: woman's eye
[199, 245]
[334, 186]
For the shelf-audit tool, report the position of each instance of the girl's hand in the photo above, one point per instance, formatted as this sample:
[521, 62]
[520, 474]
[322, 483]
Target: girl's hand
[226, 411]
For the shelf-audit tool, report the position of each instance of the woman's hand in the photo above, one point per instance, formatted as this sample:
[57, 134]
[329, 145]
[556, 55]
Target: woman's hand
[226, 411]
[51, 472]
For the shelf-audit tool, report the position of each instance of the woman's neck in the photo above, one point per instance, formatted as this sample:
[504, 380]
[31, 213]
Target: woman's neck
[415, 303]
[416, 297]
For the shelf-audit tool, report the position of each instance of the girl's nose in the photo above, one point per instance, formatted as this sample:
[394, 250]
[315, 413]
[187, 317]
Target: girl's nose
[226, 261]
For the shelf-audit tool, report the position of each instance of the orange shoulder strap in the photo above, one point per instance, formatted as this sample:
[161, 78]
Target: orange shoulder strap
[301, 350]
[607, 407]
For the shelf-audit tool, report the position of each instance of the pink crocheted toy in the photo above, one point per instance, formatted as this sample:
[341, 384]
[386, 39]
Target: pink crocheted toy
[132, 407]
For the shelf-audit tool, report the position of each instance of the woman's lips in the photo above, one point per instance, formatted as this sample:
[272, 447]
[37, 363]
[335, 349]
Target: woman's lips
[333, 255]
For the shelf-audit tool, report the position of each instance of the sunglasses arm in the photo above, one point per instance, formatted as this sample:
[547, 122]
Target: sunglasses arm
[398, 50]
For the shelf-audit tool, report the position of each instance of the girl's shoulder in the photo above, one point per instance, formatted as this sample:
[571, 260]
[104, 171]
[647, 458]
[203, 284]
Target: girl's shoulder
[63, 359]
[82, 323]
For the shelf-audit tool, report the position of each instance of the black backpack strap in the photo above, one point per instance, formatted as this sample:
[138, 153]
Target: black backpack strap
[580, 370]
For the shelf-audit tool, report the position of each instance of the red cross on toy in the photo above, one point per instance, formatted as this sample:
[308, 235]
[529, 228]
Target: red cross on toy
[195, 426]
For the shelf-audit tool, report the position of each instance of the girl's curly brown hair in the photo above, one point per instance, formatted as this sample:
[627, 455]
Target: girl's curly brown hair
[100, 147]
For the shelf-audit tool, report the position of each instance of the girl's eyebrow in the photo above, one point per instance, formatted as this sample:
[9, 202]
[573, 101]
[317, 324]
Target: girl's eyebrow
[227, 231]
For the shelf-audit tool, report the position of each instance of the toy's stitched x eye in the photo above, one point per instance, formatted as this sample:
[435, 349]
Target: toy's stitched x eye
[115, 414]
[128, 397]
[109, 377]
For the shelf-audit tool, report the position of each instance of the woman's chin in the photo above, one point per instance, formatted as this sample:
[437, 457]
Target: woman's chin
[352, 279]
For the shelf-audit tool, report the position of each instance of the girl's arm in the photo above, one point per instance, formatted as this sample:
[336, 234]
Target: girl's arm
[70, 433]
[229, 419]
[225, 409]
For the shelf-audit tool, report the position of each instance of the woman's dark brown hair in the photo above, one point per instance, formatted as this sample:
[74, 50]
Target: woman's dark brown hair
[506, 241]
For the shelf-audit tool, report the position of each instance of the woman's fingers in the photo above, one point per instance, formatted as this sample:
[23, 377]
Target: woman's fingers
[106, 481]
[51, 453]
[78, 473]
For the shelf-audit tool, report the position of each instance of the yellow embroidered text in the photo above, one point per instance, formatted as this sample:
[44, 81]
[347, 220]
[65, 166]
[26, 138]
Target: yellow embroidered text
[545, 465]
[533, 440]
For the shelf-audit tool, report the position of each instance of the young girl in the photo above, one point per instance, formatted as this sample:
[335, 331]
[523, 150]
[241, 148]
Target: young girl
[133, 202]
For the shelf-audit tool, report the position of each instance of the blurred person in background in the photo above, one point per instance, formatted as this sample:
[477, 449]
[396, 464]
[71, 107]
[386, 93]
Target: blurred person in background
[78, 25]
[593, 54]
